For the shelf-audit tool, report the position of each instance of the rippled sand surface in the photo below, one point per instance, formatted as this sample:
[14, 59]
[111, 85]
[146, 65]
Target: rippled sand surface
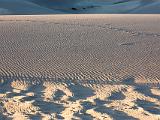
[80, 67]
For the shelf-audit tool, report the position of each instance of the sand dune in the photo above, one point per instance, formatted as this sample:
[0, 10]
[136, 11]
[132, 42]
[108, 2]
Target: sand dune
[80, 67]
[23, 7]
[79, 6]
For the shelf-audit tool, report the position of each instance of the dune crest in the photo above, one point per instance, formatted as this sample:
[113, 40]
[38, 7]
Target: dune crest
[16, 7]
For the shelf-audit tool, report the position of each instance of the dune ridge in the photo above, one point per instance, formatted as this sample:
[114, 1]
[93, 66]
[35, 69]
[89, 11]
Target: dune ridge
[21, 7]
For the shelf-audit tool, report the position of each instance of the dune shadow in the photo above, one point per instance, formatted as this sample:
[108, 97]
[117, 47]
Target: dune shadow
[48, 107]
[80, 91]
[100, 107]
[58, 95]
[100, 102]
[89, 105]
[149, 106]
[13, 94]
[84, 116]
[129, 81]
[146, 91]
[35, 117]
[5, 85]
[115, 114]
[2, 117]
[141, 88]
[44, 106]
[117, 96]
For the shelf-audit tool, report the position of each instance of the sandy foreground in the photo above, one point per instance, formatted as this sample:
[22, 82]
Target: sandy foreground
[83, 67]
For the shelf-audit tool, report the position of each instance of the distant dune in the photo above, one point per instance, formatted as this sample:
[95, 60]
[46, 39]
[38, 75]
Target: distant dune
[78, 6]
[82, 67]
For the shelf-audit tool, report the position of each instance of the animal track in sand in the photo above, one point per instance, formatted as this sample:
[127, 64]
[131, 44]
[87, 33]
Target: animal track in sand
[106, 26]
[127, 44]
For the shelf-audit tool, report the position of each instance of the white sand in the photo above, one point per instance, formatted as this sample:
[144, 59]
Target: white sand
[80, 66]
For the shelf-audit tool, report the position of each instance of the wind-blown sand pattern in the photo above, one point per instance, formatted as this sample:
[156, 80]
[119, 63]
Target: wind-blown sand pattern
[85, 67]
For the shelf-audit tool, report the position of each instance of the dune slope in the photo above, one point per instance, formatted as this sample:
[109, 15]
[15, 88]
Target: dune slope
[79, 6]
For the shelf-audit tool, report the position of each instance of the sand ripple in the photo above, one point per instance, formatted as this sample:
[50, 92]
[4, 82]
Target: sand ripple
[99, 67]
